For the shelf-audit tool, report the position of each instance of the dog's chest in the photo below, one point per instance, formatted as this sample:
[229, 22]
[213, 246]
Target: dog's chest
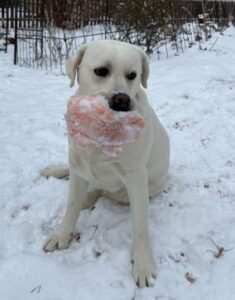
[99, 170]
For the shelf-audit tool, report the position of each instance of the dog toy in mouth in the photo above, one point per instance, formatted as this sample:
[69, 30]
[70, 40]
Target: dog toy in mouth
[91, 121]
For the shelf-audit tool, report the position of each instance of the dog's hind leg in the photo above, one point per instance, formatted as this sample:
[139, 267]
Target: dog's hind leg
[91, 199]
[60, 172]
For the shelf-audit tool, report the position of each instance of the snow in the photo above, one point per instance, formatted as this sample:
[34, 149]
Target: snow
[194, 96]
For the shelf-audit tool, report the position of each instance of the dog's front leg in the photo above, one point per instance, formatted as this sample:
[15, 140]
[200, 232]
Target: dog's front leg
[143, 263]
[61, 238]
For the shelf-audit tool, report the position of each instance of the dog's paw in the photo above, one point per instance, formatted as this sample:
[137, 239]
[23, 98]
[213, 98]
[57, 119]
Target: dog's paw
[57, 240]
[60, 172]
[144, 271]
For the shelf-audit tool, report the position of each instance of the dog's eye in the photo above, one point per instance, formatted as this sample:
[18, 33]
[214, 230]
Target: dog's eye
[131, 76]
[102, 71]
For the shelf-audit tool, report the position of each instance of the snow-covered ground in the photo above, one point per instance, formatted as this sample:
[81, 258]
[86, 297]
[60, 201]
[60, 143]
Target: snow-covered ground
[194, 96]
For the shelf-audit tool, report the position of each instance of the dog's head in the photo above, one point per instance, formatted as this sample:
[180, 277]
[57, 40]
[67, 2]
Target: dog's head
[110, 68]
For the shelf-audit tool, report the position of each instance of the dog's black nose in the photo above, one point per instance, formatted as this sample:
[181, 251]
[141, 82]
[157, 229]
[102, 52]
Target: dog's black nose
[120, 102]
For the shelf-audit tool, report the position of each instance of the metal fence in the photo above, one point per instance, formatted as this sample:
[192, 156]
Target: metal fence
[46, 32]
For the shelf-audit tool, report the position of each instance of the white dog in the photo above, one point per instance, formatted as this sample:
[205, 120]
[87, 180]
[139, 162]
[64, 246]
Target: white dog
[116, 70]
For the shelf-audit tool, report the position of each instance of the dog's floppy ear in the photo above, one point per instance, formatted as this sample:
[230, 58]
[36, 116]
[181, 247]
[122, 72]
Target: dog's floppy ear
[145, 69]
[73, 63]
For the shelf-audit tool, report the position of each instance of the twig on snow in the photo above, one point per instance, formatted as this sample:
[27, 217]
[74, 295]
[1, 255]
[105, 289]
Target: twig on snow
[190, 277]
[36, 289]
[213, 44]
[220, 250]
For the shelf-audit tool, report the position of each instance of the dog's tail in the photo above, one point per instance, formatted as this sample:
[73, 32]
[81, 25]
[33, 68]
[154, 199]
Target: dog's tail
[60, 172]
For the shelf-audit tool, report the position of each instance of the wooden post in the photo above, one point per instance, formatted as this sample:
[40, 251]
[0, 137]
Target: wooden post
[15, 9]
[204, 5]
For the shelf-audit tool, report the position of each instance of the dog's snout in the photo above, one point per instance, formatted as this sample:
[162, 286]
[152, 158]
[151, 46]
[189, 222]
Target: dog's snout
[120, 102]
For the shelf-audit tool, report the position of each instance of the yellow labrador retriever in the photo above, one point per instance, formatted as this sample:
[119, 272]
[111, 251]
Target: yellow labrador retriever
[116, 70]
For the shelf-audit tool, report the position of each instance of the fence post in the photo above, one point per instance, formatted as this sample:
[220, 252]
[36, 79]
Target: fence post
[7, 27]
[106, 18]
[204, 11]
[42, 23]
[14, 8]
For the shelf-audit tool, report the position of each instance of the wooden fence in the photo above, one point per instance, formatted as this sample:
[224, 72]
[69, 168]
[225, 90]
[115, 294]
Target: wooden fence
[46, 32]
[22, 13]
[77, 13]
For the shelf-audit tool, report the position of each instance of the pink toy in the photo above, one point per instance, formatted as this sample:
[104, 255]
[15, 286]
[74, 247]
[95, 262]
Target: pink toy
[90, 120]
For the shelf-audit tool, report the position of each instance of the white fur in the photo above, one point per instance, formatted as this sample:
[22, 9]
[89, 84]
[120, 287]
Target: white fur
[138, 172]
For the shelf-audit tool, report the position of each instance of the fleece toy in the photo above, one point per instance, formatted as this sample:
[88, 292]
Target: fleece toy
[91, 121]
